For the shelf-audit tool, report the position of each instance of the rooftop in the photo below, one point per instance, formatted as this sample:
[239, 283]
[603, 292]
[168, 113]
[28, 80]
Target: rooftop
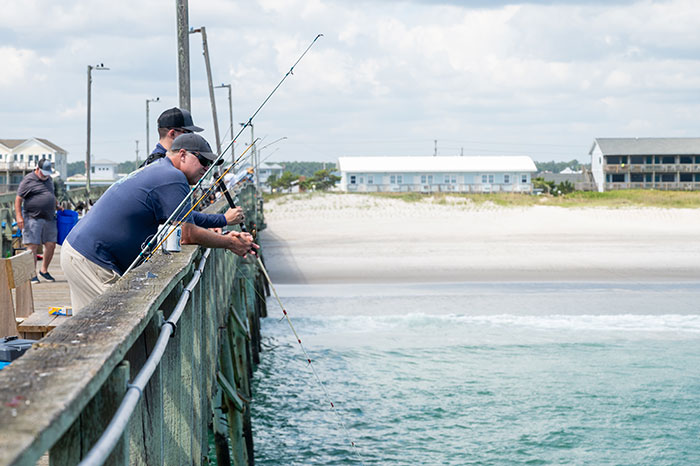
[518, 163]
[648, 146]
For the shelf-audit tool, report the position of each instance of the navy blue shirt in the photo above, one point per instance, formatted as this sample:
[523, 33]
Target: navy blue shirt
[198, 218]
[127, 215]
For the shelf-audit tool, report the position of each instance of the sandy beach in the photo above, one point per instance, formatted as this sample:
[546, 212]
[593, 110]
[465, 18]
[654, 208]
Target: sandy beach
[345, 238]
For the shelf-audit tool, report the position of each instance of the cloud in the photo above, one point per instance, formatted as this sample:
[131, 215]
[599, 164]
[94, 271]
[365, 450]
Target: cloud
[512, 72]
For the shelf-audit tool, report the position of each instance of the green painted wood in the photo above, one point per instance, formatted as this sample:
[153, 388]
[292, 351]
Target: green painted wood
[173, 452]
[198, 390]
[146, 425]
[186, 391]
[231, 392]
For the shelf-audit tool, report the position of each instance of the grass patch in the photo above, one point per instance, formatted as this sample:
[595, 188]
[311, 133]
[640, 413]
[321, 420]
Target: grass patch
[611, 199]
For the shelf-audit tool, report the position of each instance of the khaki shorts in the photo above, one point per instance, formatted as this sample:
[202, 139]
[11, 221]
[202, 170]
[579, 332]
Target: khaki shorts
[86, 279]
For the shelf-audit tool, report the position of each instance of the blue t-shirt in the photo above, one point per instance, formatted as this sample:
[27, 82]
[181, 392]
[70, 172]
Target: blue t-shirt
[127, 215]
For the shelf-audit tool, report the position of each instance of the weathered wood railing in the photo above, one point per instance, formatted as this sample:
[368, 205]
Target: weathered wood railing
[62, 393]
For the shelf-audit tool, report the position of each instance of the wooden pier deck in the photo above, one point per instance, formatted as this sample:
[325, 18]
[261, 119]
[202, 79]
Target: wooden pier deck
[47, 294]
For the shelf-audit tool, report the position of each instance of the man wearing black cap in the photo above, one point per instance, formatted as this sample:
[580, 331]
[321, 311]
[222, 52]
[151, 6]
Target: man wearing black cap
[100, 248]
[172, 123]
[37, 217]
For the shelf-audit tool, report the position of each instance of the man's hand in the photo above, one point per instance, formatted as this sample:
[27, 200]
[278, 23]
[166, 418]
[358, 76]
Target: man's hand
[234, 216]
[241, 243]
[20, 223]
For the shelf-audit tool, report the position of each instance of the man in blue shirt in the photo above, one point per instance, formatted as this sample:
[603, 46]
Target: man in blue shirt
[172, 123]
[100, 248]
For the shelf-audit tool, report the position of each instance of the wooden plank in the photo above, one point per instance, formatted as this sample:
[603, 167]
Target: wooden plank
[40, 322]
[20, 268]
[172, 386]
[8, 325]
[186, 393]
[146, 424]
[24, 299]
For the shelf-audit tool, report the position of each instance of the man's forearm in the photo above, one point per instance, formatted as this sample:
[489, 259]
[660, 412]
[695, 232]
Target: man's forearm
[18, 207]
[192, 234]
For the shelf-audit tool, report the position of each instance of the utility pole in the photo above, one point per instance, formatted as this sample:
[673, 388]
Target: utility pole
[137, 153]
[183, 53]
[435, 154]
[89, 104]
[148, 130]
[230, 115]
[205, 48]
[461, 152]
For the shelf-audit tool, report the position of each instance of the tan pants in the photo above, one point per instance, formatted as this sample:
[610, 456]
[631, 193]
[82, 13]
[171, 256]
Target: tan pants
[86, 279]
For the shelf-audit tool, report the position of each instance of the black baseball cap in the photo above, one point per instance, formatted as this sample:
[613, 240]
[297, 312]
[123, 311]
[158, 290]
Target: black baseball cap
[194, 143]
[177, 118]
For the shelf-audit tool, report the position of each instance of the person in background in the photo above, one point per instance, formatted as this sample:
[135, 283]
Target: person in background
[102, 246]
[172, 123]
[35, 211]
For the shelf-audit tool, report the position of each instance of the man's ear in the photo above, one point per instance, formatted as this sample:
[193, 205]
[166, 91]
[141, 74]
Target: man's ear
[172, 134]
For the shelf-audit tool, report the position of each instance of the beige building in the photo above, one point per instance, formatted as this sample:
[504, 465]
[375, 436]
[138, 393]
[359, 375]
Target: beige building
[646, 163]
[20, 156]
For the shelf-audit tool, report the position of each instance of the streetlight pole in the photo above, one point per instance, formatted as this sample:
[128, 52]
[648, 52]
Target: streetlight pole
[230, 115]
[99, 67]
[148, 130]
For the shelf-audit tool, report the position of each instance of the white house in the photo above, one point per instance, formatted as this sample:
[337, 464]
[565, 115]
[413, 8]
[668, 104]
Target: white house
[20, 156]
[266, 170]
[482, 174]
[645, 163]
[102, 173]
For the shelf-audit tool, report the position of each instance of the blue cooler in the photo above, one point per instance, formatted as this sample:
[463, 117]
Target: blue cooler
[65, 221]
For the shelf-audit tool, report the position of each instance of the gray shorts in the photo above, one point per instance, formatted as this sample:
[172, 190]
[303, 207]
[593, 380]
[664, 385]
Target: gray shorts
[39, 231]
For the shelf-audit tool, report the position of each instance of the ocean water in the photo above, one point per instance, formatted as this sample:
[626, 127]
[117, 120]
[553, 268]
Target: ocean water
[459, 374]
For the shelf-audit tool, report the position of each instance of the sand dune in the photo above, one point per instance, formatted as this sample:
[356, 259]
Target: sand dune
[358, 239]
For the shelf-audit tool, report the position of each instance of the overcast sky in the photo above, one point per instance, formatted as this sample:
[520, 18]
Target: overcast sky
[388, 77]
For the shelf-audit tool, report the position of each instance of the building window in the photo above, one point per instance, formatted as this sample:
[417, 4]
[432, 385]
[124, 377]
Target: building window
[618, 178]
[447, 179]
[484, 178]
[686, 177]
[506, 179]
[392, 179]
[686, 159]
[352, 179]
[454, 179]
[637, 177]
[399, 179]
[362, 180]
[423, 179]
[370, 179]
[637, 160]
[523, 179]
[430, 179]
[491, 179]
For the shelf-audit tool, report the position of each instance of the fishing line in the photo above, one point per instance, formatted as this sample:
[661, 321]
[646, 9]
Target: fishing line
[335, 410]
[187, 198]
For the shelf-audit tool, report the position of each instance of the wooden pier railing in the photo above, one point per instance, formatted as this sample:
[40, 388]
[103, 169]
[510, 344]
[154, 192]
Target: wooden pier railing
[62, 393]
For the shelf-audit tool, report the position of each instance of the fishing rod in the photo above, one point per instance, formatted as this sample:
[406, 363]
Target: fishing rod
[179, 208]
